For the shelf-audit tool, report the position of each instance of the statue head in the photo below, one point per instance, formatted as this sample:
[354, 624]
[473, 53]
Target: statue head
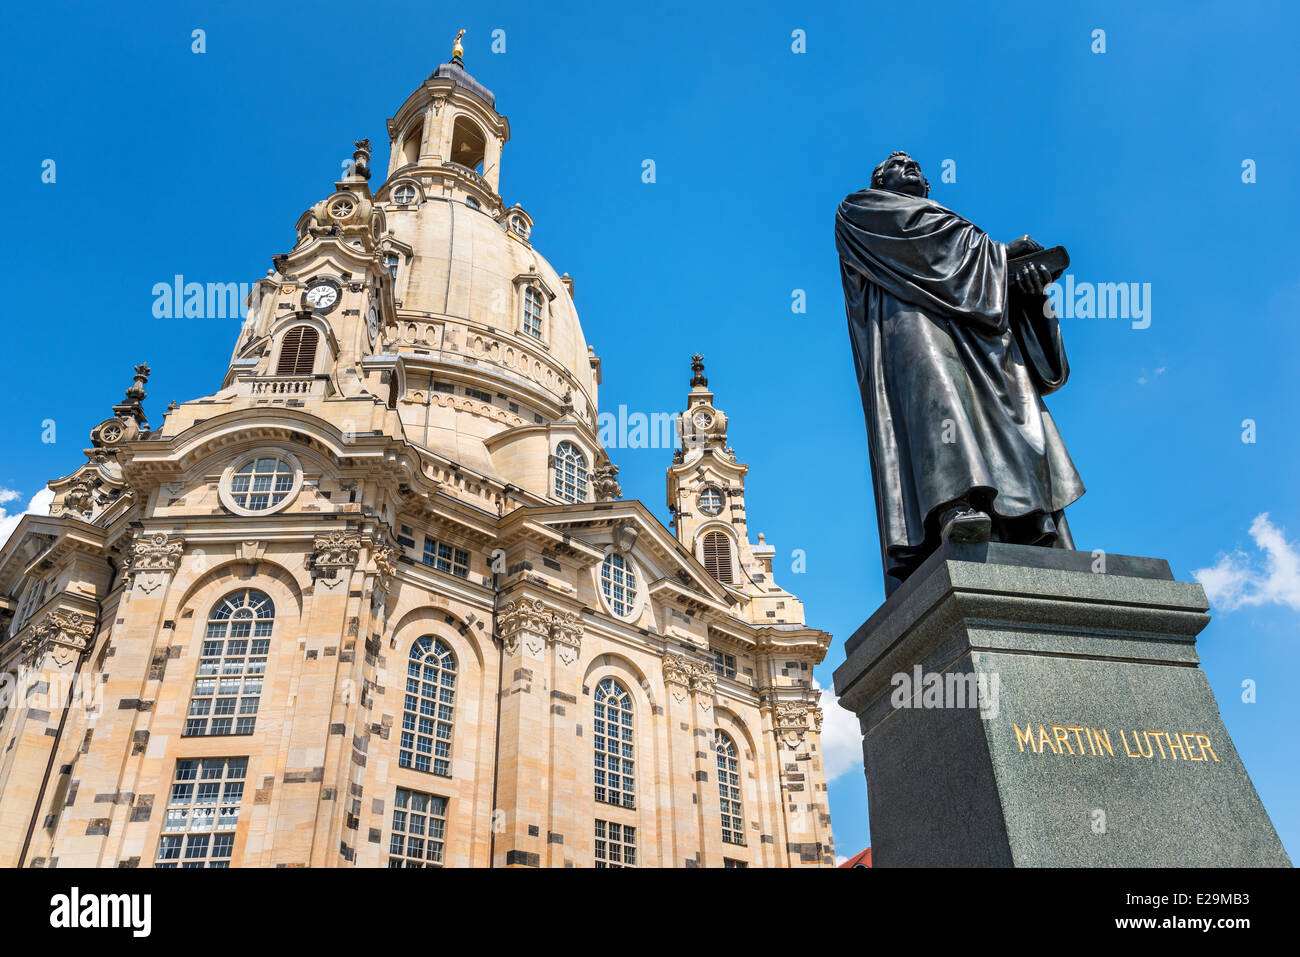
[901, 174]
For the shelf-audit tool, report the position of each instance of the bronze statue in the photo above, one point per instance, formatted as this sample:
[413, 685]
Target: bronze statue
[955, 345]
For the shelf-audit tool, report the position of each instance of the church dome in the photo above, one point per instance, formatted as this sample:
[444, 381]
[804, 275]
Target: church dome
[475, 272]
[497, 371]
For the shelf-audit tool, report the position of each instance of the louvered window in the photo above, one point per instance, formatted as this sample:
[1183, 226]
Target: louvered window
[717, 556]
[298, 353]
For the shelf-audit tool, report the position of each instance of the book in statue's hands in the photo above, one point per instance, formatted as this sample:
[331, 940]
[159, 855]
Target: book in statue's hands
[1056, 259]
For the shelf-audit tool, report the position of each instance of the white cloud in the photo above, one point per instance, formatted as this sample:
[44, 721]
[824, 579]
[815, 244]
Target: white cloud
[39, 505]
[841, 739]
[1239, 581]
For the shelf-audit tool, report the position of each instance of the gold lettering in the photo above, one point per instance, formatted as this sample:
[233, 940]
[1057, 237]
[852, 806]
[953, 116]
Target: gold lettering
[1156, 735]
[1175, 743]
[1026, 738]
[1077, 739]
[1123, 738]
[1204, 742]
[1187, 743]
[1062, 737]
[1149, 752]
[1103, 740]
[1043, 739]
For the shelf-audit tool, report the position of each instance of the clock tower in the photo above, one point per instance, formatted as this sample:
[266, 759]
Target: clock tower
[706, 496]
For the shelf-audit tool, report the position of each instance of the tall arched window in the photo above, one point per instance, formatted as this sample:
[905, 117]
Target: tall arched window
[232, 665]
[532, 312]
[733, 826]
[411, 143]
[430, 707]
[717, 556]
[612, 731]
[570, 473]
[298, 351]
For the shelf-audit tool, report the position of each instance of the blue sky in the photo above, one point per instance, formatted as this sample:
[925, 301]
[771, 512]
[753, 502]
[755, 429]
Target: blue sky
[174, 162]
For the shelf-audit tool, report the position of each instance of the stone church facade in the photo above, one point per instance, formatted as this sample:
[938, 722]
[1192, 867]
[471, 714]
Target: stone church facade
[378, 601]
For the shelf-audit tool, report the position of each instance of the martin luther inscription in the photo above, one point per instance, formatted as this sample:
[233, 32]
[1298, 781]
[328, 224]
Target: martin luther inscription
[1096, 742]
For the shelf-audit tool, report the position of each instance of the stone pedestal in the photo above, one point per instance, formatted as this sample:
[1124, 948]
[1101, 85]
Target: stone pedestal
[1035, 707]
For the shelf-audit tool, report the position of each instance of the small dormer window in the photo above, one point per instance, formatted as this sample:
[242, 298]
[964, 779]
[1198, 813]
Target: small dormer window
[533, 312]
[472, 203]
[518, 225]
[390, 263]
[404, 195]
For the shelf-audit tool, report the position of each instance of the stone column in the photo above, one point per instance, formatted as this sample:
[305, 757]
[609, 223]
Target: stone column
[570, 755]
[36, 695]
[682, 836]
[524, 769]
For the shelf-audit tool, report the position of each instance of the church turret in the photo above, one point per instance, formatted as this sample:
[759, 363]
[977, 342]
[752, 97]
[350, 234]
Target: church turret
[449, 133]
[706, 496]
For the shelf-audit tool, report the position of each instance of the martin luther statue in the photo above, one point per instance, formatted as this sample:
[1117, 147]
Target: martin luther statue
[955, 345]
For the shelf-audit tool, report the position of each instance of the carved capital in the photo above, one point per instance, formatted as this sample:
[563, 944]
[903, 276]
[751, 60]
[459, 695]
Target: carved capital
[154, 553]
[63, 635]
[791, 723]
[688, 675]
[704, 681]
[815, 718]
[334, 552]
[677, 670]
[534, 622]
[528, 620]
[566, 635]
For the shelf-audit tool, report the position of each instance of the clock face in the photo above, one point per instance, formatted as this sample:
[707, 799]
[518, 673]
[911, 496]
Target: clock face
[372, 321]
[322, 296]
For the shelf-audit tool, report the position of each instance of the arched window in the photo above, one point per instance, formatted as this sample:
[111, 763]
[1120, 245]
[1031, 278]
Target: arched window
[411, 143]
[532, 312]
[468, 144]
[717, 556]
[618, 583]
[232, 665]
[733, 826]
[570, 473]
[430, 707]
[612, 731]
[298, 351]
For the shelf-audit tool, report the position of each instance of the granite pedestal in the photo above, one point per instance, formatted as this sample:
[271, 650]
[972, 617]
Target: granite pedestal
[1027, 706]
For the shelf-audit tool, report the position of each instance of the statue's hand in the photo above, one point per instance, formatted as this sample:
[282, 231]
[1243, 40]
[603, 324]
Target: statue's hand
[1022, 247]
[1031, 279]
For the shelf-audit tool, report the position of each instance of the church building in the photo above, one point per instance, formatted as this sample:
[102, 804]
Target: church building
[378, 601]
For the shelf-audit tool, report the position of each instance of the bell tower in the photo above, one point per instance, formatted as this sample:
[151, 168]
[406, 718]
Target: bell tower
[706, 496]
[449, 129]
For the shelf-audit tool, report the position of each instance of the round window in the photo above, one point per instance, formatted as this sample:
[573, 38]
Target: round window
[404, 195]
[618, 584]
[711, 500]
[261, 483]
